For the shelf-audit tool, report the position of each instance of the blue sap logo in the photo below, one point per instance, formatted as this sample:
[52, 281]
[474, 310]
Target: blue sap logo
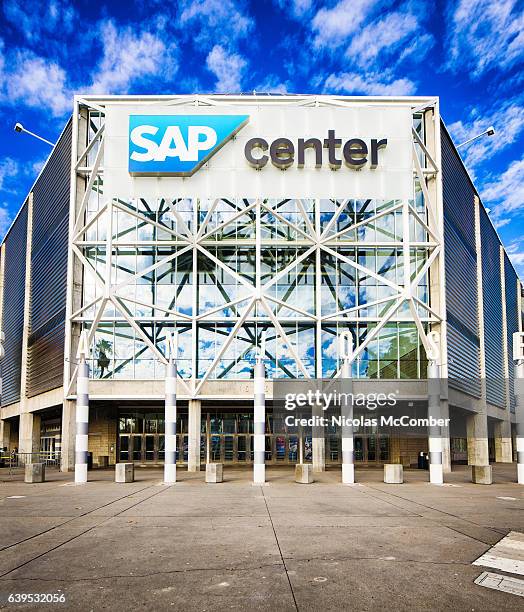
[178, 145]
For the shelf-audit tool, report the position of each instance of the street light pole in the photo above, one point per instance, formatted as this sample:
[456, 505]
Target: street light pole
[489, 132]
[20, 128]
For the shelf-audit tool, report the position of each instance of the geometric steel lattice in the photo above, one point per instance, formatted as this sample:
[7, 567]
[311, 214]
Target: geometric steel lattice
[224, 270]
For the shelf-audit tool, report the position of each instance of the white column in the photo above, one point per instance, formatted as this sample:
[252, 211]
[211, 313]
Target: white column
[519, 413]
[346, 408]
[518, 356]
[82, 410]
[82, 421]
[170, 420]
[318, 440]
[67, 437]
[444, 431]
[193, 442]
[259, 438]
[436, 472]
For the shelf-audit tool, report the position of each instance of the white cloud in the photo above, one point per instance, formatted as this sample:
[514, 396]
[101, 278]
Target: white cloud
[34, 18]
[505, 194]
[228, 69]
[484, 34]
[373, 84]
[333, 25]
[8, 169]
[296, 8]
[35, 82]
[272, 84]
[508, 120]
[5, 219]
[128, 56]
[381, 36]
[214, 21]
[515, 251]
[419, 47]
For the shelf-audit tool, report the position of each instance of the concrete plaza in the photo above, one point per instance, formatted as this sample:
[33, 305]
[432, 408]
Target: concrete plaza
[235, 546]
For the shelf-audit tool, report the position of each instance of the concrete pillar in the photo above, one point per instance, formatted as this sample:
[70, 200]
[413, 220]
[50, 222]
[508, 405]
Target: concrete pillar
[67, 443]
[318, 442]
[444, 436]
[503, 450]
[170, 416]
[82, 421]
[436, 474]
[5, 434]
[193, 450]
[29, 436]
[259, 423]
[477, 433]
[519, 418]
[348, 464]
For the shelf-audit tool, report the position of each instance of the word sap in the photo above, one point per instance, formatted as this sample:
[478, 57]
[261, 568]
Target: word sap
[178, 145]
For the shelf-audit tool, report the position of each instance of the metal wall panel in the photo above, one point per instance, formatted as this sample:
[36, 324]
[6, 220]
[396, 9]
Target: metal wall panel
[512, 319]
[13, 307]
[461, 273]
[49, 270]
[459, 193]
[492, 300]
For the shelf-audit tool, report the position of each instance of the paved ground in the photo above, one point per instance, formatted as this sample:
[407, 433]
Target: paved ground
[235, 546]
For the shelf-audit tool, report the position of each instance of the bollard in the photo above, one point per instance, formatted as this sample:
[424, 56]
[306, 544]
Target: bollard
[393, 473]
[214, 472]
[304, 473]
[34, 472]
[124, 472]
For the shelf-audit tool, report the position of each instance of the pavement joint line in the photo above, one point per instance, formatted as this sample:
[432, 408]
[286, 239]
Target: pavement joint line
[69, 520]
[497, 531]
[244, 568]
[81, 533]
[280, 551]
[377, 558]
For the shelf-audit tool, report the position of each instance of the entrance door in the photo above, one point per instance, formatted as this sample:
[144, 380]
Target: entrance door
[142, 448]
[371, 448]
[150, 453]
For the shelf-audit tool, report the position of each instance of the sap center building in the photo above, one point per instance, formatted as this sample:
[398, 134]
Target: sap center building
[223, 217]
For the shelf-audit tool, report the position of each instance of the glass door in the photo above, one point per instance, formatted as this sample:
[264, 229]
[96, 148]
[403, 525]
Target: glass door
[137, 448]
[149, 446]
[123, 455]
[371, 448]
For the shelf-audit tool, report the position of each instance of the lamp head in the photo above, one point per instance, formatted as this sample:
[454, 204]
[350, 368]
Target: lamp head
[490, 131]
[19, 127]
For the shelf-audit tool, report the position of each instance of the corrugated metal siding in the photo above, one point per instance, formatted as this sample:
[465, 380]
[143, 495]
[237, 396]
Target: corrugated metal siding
[461, 273]
[49, 270]
[459, 205]
[13, 307]
[512, 318]
[492, 300]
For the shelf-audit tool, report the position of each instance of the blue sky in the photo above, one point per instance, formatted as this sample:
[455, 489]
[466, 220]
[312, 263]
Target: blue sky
[468, 52]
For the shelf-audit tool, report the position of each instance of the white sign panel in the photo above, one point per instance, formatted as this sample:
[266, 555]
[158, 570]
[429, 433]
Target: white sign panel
[258, 151]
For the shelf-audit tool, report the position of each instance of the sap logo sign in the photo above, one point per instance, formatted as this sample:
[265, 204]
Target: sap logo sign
[177, 145]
